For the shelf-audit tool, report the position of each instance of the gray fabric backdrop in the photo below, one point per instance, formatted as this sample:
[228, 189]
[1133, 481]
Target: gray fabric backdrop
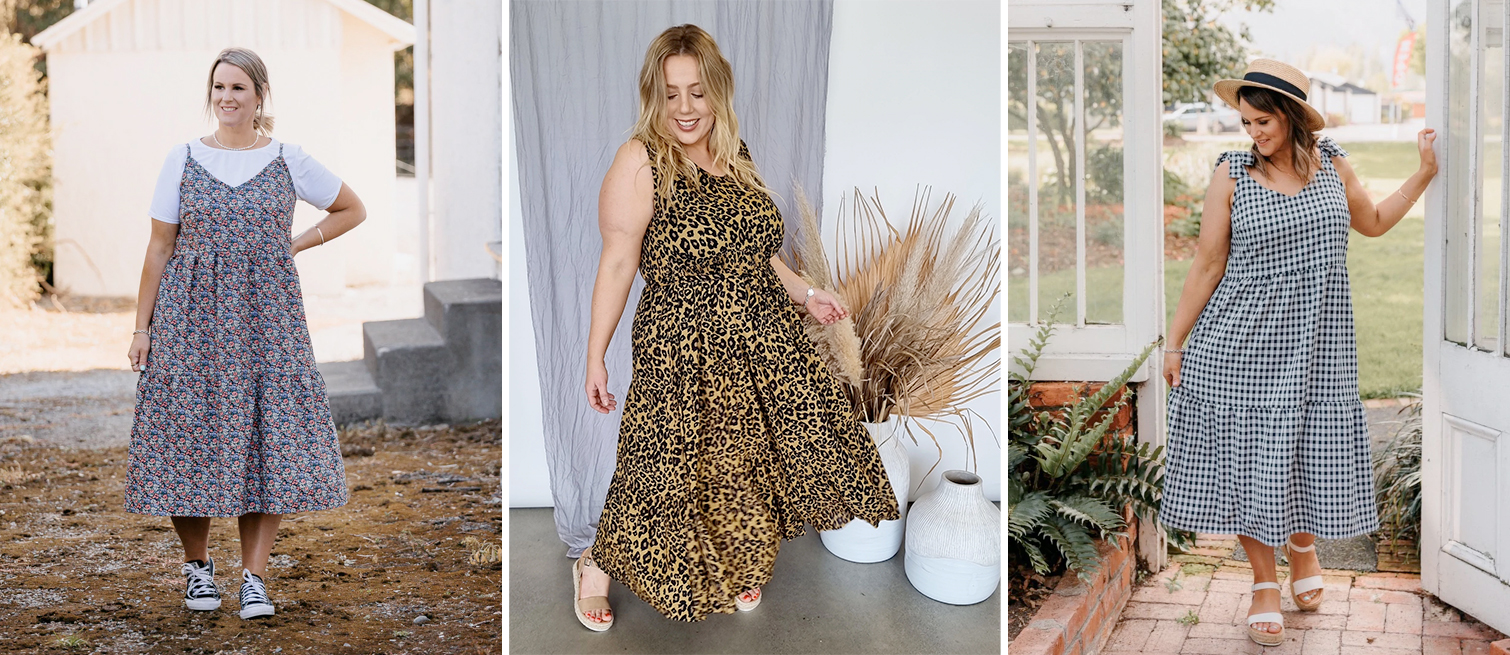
[575, 69]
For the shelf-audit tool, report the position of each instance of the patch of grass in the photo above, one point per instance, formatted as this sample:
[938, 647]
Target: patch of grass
[1190, 568]
[14, 475]
[482, 553]
[1190, 618]
[1385, 274]
[1103, 295]
[72, 642]
[1393, 159]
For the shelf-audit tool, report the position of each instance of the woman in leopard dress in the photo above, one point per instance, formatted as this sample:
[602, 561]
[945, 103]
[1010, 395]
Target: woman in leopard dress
[734, 432]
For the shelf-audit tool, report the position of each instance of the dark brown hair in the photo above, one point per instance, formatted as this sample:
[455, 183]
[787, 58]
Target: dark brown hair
[1303, 157]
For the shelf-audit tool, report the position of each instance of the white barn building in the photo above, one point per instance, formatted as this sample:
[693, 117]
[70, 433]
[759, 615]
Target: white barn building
[127, 82]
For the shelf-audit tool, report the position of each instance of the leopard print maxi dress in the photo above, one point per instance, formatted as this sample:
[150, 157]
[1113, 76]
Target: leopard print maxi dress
[734, 432]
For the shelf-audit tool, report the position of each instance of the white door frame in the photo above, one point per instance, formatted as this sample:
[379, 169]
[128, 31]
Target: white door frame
[1082, 352]
[1465, 468]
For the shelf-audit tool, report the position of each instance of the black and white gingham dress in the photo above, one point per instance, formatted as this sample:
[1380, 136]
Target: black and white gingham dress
[1267, 436]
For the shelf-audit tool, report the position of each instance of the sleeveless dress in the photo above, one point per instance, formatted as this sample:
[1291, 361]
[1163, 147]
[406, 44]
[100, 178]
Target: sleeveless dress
[734, 432]
[231, 414]
[1267, 436]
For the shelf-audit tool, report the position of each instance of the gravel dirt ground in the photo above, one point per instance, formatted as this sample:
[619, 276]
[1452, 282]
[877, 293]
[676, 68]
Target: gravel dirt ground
[420, 536]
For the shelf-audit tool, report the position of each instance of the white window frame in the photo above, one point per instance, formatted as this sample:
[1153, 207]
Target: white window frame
[1096, 353]
[1091, 352]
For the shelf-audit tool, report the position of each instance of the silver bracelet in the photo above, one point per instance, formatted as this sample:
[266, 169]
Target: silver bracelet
[809, 297]
[1174, 350]
[141, 332]
[1407, 198]
[322, 234]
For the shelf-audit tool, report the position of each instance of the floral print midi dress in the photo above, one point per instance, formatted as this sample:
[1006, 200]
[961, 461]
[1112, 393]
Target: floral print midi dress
[231, 415]
[734, 432]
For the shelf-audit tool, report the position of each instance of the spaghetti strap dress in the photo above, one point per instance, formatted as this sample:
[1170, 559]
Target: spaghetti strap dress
[734, 432]
[1267, 436]
[231, 414]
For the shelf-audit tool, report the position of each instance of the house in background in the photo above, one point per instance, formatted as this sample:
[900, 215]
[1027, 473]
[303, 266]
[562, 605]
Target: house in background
[127, 82]
[1333, 95]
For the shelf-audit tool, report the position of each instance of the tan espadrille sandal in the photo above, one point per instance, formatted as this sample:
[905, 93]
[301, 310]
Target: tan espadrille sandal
[743, 606]
[584, 605]
[1261, 637]
[1298, 587]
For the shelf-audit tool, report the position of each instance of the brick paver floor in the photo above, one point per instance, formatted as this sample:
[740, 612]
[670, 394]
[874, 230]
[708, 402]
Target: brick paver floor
[1199, 605]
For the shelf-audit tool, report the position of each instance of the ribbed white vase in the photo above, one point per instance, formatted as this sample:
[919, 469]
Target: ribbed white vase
[954, 542]
[858, 541]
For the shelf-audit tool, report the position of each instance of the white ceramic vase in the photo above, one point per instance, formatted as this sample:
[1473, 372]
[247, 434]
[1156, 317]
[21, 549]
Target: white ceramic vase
[858, 541]
[954, 542]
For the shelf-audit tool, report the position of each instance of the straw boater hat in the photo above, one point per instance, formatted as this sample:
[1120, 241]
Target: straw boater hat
[1275, 76]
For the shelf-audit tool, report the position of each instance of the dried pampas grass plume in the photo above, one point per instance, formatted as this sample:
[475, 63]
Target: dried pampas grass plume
[837, 344]
[916, 298]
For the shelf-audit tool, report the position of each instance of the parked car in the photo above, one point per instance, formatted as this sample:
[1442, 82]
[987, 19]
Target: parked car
[1190, 117]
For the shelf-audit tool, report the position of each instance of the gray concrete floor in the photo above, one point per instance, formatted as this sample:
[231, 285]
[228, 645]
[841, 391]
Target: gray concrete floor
[815, 603]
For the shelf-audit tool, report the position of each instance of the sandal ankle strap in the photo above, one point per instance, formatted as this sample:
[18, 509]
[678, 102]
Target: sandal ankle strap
[1300, 549]
[1259, 586]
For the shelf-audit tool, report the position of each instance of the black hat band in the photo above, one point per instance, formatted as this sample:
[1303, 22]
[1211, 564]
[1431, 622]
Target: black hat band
[1265, 78]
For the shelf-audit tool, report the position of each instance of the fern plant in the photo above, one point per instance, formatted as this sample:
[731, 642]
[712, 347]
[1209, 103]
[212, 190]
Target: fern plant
[1067, 483]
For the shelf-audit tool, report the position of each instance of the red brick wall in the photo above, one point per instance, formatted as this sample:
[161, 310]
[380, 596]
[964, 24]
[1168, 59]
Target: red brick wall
[1078, 618]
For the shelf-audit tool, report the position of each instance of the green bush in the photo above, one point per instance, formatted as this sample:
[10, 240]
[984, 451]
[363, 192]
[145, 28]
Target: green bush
[1103, 165]
[1397, 478]
[1067, 487]
[1179, 193]
[25, 173]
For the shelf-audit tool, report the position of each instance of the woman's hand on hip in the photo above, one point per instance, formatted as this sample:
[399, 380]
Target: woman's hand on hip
[137, 353]
[1172, 368]
[598, 397]
[825, 307]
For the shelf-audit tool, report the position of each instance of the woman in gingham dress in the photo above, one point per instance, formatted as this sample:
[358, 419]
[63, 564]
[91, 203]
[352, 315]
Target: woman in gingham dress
[232, 418]
[1268, 439]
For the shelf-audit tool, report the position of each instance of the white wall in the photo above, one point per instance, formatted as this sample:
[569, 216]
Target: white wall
[914, 98]
[466, 107]
[106, 161]
[898, 73]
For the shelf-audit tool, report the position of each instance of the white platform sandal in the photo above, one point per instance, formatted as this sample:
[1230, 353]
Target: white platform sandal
[1261, 637]
[1298, 587]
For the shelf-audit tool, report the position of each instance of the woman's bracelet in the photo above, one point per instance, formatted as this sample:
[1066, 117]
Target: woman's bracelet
[1407, 198]
[1180, 351]
[321, 233]
[809, 297]
[135, 332]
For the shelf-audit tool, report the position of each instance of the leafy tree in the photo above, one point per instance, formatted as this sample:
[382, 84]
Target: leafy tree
[25, 173]
[1198, 51]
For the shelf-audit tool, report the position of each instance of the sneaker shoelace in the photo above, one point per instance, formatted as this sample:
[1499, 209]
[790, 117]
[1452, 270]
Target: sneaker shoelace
[253, 591]
[201, 582]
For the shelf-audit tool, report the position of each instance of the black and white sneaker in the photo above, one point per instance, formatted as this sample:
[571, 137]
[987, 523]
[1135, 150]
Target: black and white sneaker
[254, 602]
[202, 594]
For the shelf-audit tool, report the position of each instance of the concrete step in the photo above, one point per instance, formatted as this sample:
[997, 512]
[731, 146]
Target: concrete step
[354, 397]
[410, 362]
[468, 315]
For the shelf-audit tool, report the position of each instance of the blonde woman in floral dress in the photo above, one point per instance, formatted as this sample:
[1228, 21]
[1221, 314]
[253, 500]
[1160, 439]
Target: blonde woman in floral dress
[232, 418]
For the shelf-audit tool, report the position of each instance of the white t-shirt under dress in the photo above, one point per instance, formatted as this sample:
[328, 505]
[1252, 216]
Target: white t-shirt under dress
[313, 183]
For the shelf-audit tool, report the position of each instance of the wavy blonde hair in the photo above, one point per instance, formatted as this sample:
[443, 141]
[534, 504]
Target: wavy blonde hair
[252, 65]
[718, 89]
